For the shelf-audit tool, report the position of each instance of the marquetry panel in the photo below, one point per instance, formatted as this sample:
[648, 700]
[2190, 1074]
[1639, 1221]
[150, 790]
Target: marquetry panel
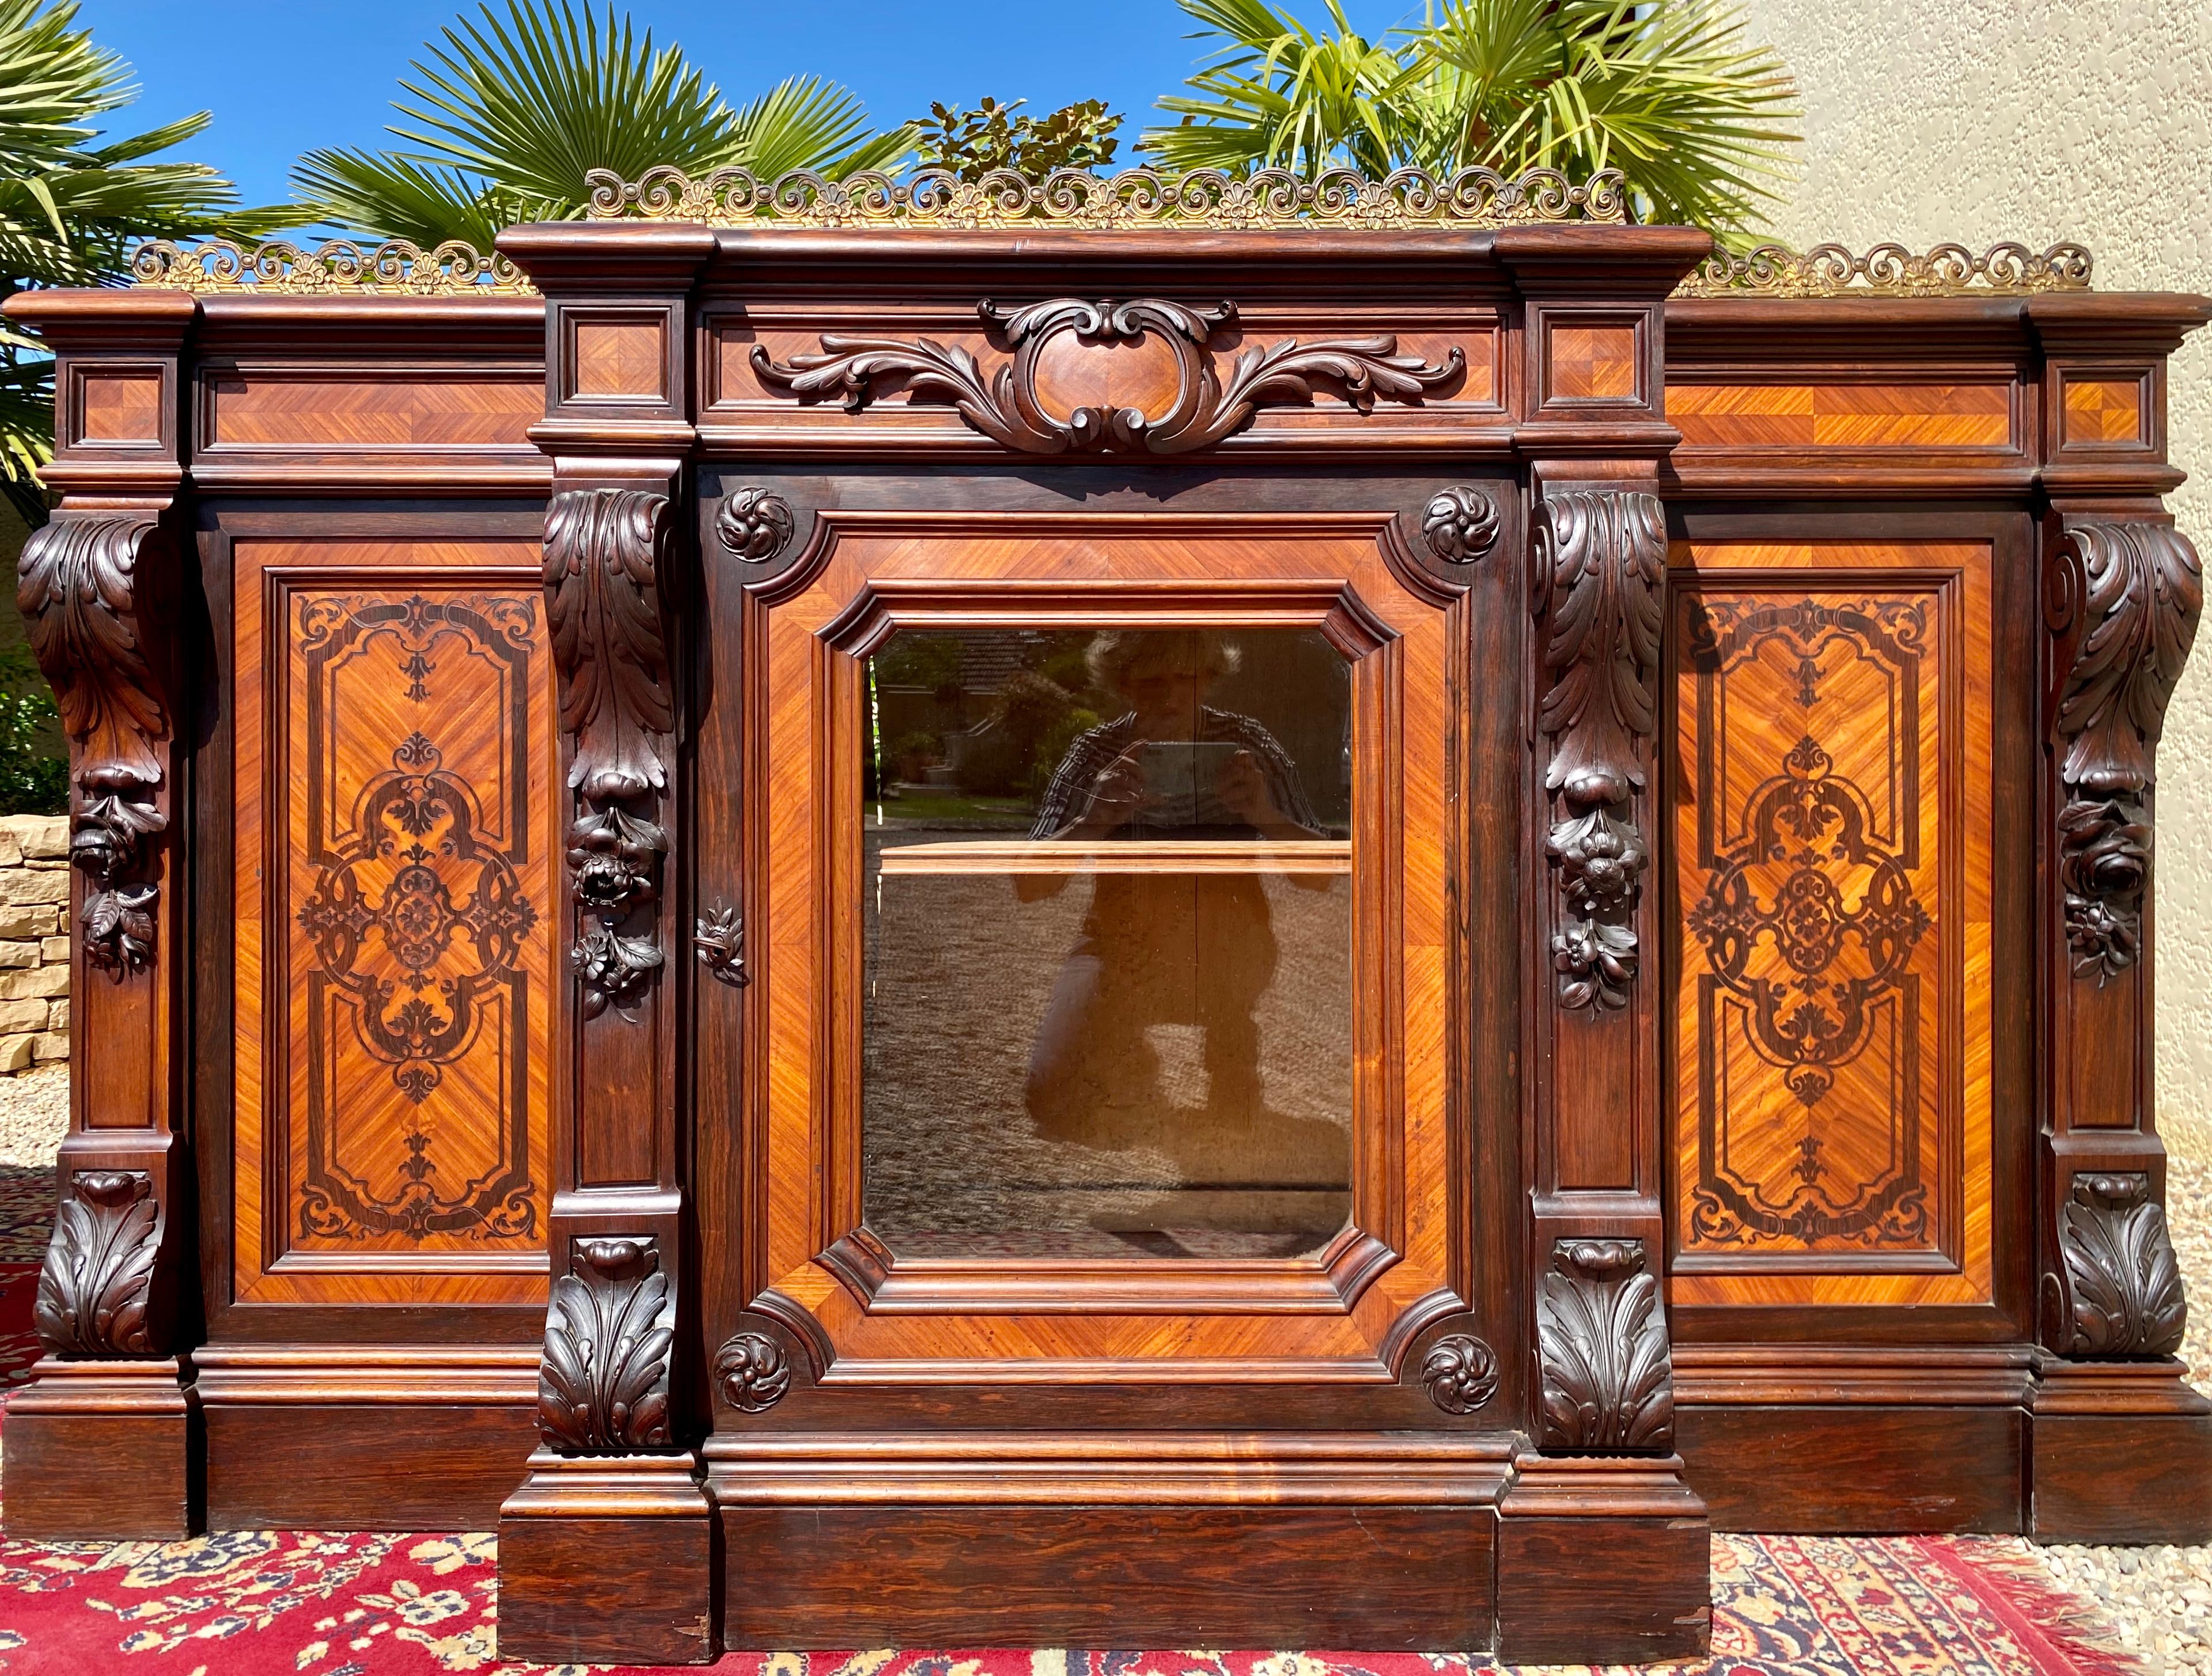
[2102, 411]
[1833, 848]
[252, 409]
[399, 1038]
[1841, 415]
[119, 407]
[1593, 363]
[623, 359]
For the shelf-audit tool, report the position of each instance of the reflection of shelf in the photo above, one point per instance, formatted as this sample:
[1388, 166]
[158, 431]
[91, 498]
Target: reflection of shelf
[1129, 855]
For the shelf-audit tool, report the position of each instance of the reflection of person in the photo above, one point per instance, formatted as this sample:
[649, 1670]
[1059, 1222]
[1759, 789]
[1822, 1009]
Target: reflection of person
[1167, 947]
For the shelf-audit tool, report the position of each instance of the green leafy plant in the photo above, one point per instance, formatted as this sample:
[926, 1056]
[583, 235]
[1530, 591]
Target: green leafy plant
[73, 203]
[1667, 91]
[503, 117]
[972, 144]
[33, 769]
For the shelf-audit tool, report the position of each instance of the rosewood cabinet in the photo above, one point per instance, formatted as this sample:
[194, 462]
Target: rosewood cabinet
[1111, 914]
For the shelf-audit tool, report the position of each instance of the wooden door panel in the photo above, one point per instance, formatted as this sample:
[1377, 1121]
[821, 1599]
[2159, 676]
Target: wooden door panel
[395, 915]
[1832, 850]
[1328, 1316]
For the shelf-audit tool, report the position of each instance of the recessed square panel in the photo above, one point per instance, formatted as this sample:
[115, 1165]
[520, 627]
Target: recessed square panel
[1108, 1001]
[623, 359]
[2102, 411]
[1594, 363]
[120, 407]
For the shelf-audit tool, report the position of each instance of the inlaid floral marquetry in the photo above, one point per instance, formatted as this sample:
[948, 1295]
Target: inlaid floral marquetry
[1821, 910]
[419, 917]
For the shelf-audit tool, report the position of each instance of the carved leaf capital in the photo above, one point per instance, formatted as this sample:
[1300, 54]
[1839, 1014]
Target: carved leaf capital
[602, 1379]
[96, 1282]
[2121, 1283]
[1601, 1334]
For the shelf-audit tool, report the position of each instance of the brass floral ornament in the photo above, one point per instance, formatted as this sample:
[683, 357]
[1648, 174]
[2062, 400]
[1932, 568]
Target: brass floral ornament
[339, 268]
[735, 196]
[1890, 270]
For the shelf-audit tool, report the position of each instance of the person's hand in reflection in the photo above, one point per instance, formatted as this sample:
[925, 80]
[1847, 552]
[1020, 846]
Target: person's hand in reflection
[1242, 789]
[1118, 795]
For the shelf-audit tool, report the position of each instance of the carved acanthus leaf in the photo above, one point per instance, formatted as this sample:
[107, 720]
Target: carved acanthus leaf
[719, 937]
[1006, 407]
[79, 590]
[2130, 597]
[1600, 581]
[752, 1372]
[1601, 1332]
[1460, 1373]
[602, 1380]
[94, 1284]
[604, 552]
[2121, 1283]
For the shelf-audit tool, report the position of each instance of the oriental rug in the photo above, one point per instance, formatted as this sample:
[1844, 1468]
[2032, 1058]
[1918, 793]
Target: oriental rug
[313, 1603]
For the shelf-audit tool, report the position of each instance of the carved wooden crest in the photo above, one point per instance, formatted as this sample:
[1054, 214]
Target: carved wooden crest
[2127, 597]
[1176, 401]
[602, 1382]
[1601, 1331]
[1600, 580]
[603, 556]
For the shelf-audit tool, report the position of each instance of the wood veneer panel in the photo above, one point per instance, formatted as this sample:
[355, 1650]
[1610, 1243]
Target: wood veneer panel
[1851, 1469]
[1840, 416]
[2103, 410]
[1833, 836]
[270, 409]
[1594, 363]
[394, 943]
[120, 407]
[1108, 1576]
[373, 1467]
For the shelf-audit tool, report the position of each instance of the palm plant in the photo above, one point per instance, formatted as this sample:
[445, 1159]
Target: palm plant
[1667, 91]
[72, 206]
[508, 115]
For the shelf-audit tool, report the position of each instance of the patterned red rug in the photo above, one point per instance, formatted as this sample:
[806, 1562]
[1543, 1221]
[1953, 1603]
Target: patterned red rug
[311, 1603]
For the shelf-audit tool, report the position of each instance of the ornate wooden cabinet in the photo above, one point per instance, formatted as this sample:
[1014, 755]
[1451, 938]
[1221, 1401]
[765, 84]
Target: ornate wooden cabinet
[1116, 914]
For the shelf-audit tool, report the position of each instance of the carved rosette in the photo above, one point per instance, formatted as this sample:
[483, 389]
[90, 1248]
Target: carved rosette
[1599, 588]
[2127, 597]
[605, 549]
[1459, 1374]
[93, 1287]
[610, 1324]
[1460, 524]
[1601, 1337]
[2118, 1294]
[1207, 406]
[755, 526]
[80, 580]
[752, 1372]
[719, 938]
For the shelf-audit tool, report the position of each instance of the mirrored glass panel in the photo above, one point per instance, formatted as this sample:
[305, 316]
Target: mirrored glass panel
[1109, 926]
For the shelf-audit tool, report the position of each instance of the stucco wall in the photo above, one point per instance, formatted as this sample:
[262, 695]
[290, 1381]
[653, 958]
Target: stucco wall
[2040, 120]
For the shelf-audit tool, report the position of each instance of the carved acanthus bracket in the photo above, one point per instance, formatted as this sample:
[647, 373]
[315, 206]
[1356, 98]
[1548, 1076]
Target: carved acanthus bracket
[1599, 588]
[1461, 524]
[2119, 1293]
[604, 551]
[1459, 1374]
[2127, 596]
[719, 937]
[94, 1285]
[1009, 407]
[754, 525]
[752, 1372]
[1601, 1335]
[610, 1324]
[81, 578]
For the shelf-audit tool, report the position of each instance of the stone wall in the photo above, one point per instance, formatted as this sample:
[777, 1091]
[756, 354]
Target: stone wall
[1986, 119]
[34, 944]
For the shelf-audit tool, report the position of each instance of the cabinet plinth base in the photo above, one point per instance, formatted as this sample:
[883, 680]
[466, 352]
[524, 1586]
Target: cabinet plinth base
[102, 1449]
[2121, 1451]
[607, 1560]
[1602, 1560]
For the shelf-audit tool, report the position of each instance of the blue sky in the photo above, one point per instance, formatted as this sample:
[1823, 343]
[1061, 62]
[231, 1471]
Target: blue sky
[283, 77]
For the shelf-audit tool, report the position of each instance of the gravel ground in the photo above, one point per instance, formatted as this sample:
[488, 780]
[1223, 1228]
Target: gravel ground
[33, 1114]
